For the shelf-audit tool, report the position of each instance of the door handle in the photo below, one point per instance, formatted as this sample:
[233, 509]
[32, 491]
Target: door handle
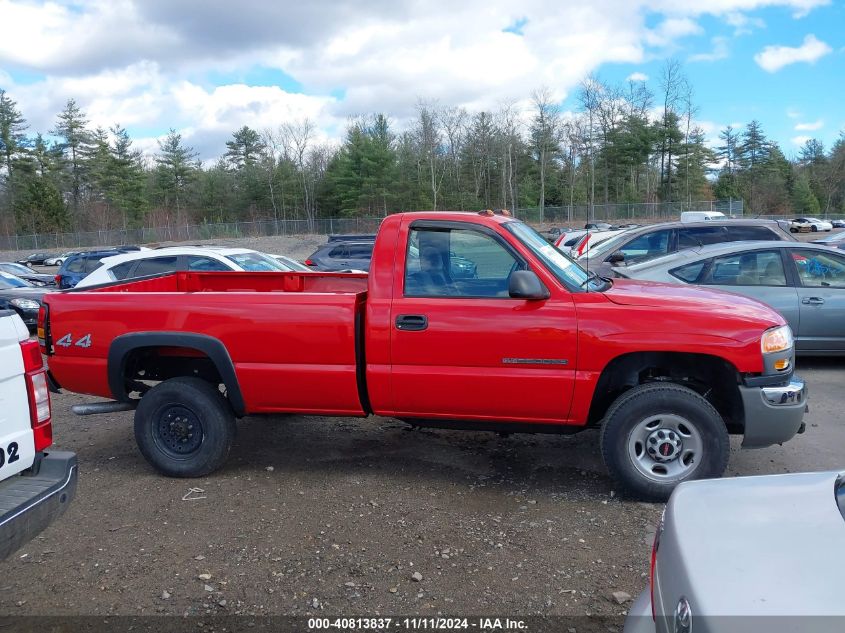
[813, 301]
[411, 322]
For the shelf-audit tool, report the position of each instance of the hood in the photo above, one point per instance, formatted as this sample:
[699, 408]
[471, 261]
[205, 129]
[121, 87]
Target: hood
[632, 292]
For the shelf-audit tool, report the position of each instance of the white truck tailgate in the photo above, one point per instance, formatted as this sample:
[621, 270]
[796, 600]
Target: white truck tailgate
[17, 447]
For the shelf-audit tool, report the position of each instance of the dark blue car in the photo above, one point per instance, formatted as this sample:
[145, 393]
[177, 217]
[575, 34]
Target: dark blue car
[78, 266]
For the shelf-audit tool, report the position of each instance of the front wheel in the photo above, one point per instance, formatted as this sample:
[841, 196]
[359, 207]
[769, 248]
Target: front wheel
[184, 427]
[658, 435]
[814, 229]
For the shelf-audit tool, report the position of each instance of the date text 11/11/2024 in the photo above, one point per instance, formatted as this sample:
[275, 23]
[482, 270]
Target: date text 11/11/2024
[417, 624]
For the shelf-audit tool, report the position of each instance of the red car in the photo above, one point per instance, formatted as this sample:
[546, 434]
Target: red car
[532, 343]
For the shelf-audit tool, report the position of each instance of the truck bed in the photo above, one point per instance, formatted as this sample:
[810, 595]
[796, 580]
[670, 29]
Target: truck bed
[291, 337]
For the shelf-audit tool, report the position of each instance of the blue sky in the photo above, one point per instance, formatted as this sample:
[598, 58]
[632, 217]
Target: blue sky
[207, 67]
[731, 87]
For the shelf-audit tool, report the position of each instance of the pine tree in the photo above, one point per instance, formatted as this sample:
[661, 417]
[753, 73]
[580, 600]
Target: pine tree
[804, 201]
[71, 126]
[245, 148]
[176, 170]
[12, 137]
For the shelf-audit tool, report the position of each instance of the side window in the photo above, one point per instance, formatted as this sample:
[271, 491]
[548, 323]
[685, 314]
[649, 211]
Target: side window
[689, 273]
[647, 246]
[205, 264]
[92, 264]
[156, 265]
[701, 236]
[121, 271]
[457, 263]
[360, 251]
[754, 268]
[818, 269]
[339, 252]
[747, 233]
[76, 266]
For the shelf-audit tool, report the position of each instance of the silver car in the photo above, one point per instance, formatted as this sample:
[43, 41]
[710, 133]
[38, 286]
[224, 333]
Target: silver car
[656, 240]
[748, 554]
[804, 282]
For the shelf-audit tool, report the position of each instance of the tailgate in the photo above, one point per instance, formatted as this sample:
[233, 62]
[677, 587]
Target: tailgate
[17, 447]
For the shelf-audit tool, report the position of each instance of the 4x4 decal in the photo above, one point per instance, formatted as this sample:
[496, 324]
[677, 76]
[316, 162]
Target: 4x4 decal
[67, 341]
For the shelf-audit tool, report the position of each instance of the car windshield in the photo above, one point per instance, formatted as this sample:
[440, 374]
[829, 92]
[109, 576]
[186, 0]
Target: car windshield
[607, 246]
[16, 269]
[565, 269]
[10, 281]
[292, 264]
[257, 262]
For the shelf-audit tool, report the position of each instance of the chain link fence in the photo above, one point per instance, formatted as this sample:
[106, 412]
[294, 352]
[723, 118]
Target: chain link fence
[614, 213]
[577, 214]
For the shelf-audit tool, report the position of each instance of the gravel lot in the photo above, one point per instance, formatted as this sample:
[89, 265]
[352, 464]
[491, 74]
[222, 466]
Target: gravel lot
[336, 516]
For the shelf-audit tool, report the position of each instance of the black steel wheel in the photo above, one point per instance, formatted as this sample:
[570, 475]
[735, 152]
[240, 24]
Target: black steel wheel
[184, 427]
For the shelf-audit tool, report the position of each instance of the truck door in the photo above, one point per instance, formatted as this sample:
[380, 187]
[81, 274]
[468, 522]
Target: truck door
[461, 347]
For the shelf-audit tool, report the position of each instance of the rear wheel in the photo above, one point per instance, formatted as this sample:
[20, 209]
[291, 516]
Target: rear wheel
[184, 427]
[658, 435]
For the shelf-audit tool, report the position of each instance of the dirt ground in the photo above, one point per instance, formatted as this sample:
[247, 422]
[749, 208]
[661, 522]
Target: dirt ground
[335, 516]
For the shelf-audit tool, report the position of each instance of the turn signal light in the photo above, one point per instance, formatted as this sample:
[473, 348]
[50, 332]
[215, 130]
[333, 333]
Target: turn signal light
[782, 364]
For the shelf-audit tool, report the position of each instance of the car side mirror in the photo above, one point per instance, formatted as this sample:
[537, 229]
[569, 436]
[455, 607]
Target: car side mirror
[525, 284]
[616, 258]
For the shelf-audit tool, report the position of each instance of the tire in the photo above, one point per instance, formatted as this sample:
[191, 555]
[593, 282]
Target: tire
[694, 443]
[184, 427]
[793, 230]
[814, 229]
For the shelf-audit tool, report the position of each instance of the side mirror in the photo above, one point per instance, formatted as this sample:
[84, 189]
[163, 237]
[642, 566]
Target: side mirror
[616, 258]
[524, 284]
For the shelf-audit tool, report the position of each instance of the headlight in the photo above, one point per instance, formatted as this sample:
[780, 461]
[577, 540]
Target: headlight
[777, 339]
[25, 304]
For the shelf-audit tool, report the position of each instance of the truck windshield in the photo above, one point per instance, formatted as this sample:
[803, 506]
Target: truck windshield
[566, 270]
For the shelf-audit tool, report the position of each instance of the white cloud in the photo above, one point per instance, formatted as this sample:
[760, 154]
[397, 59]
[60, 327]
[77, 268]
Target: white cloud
[773, 58]
[719, 51]
[637, 77]
[799, 140]
[155, 64]
[670, 30]
[742, 23]
[793, 113]
[809, 127]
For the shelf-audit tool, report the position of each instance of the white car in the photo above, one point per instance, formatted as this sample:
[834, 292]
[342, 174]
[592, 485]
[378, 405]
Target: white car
[569, 239]
[809, 224]
[58, 260]
[592, 239]
[191, 258]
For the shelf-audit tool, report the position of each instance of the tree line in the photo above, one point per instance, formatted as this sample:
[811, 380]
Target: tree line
[624, 143]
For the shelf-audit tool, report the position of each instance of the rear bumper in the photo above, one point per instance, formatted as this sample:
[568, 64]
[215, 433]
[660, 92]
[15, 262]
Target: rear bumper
[29, 503]
[773, 414]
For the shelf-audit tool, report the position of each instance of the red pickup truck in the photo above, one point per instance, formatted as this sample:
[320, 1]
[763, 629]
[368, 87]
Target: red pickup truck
[531, 343]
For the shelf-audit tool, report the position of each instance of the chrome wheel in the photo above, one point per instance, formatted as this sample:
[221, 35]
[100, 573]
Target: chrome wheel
[665, 448]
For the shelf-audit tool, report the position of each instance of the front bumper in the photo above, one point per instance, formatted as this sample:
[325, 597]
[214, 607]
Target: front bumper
[29, 503]
[639, 618]
[773, 414]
